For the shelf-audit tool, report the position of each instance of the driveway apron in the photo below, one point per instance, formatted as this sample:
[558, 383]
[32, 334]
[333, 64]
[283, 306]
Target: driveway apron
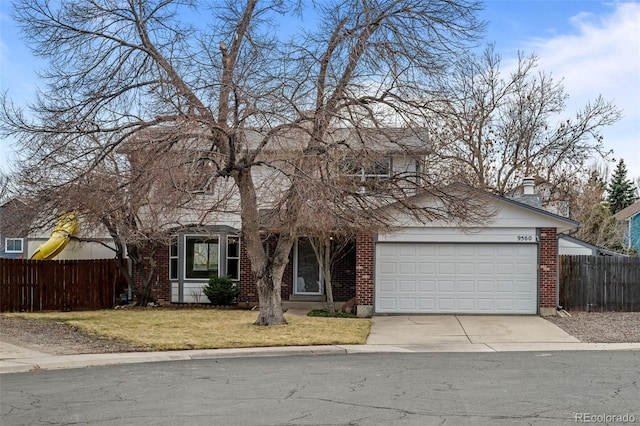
[464, 329]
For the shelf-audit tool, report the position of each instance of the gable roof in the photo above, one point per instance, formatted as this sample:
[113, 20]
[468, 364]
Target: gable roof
[532, 216]
[628, 212]
[565, 224]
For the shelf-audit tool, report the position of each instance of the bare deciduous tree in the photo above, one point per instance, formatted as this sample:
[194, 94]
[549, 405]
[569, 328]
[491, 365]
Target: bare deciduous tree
[118, 70]
[496, 126]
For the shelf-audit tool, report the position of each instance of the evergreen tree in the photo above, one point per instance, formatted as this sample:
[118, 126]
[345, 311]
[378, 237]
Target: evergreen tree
[622, 191]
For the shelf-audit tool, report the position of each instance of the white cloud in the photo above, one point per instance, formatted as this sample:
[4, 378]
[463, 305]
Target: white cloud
[601, 56]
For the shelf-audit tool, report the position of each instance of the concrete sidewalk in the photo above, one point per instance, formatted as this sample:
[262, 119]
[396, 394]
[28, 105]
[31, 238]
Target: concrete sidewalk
[399, 334]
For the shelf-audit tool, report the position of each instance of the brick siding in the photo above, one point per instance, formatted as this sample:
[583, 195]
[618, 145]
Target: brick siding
[160, 287]
[364, 269]
[344, 275]
[548, 267]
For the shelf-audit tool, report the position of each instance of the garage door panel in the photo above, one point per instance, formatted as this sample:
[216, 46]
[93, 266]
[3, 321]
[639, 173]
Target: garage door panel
[386, 250]
[450, 278]
[466, 305]
[388, 304]
[446, 268]
[445, 250]
[426, 250]
[407, 286]
[387, 268]
[427, 286]
[446, 286]
[505, 269]
[466, 287]
[407, 268]
[388, 286]
[466, 268]
[407, 304]
[425, 268]
[426, 304]
[486, 286]
[505, 287]
[484, 268]
[407, 250]
[485, 305]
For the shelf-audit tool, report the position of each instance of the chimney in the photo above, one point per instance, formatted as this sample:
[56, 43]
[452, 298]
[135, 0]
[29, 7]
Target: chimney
[528, 185]
[529, 195]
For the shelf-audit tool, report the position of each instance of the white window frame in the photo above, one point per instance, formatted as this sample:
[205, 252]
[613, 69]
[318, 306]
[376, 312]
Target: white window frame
[295, 275]
[176, 257]
[6, 245]
[364, 171]
[184, 263]
[227, 257]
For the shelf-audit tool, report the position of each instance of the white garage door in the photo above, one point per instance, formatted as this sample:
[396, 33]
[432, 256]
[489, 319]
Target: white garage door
[456, 278]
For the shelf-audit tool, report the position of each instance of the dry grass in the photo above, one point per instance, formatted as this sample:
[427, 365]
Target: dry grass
[167, 329]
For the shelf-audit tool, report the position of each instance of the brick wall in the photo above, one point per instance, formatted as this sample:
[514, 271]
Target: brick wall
[344, 278]
[548, 267]
[248, 291]
[364, 269]
[344, 275]
[160, 287]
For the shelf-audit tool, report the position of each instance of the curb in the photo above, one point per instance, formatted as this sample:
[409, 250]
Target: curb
[57, 362]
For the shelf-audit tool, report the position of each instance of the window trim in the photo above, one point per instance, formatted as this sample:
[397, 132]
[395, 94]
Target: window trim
[295, 275]
[227, 257]
[6, 245]
[184, 253]
[174, 243]
[367, 171]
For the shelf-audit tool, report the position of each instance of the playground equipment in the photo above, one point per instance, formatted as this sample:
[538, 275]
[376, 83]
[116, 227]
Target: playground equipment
[66, 226]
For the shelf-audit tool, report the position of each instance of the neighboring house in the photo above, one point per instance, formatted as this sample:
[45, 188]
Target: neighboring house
[571, 246]
[15, 217]
[630, 217]
[18, 241]
[76, 249]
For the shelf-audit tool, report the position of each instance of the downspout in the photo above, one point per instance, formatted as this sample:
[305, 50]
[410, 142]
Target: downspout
[539, 311]
[558, 306]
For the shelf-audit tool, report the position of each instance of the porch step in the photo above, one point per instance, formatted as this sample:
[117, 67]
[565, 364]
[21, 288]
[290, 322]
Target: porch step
[289, 304]
[302, 298]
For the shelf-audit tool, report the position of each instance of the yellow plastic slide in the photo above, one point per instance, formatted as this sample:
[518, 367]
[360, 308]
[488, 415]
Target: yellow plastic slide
[60, 236]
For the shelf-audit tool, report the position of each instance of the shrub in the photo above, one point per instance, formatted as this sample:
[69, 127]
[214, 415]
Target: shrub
[221, 291]
[323, 313]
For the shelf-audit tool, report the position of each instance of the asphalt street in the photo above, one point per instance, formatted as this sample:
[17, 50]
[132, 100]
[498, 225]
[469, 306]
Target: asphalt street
[504, 388]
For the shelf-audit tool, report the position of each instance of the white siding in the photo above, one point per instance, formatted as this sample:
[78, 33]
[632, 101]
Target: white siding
[572, 249]
[451, 235]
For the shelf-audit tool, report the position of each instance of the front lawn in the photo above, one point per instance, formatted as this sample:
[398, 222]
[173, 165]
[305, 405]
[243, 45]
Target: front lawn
[175, 329]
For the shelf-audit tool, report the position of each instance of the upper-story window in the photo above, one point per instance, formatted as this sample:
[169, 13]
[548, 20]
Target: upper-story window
[13, 245]
[367, 168]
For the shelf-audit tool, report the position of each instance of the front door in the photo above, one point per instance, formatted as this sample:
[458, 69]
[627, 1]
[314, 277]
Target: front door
[307, 270]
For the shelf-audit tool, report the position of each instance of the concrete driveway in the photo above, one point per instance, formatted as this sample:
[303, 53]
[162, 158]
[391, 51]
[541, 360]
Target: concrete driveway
[466, 332]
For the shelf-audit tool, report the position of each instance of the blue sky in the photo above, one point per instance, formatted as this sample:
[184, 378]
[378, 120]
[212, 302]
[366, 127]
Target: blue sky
[593, 45]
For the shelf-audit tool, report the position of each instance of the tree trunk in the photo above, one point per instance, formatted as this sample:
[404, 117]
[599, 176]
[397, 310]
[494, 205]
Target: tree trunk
[142, 290]
[270, 304]
[268, 279]
[326, 272]
[268, 271]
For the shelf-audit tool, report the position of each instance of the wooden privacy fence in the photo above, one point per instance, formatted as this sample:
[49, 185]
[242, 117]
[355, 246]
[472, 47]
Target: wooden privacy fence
[43, 285]
[600, 283]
